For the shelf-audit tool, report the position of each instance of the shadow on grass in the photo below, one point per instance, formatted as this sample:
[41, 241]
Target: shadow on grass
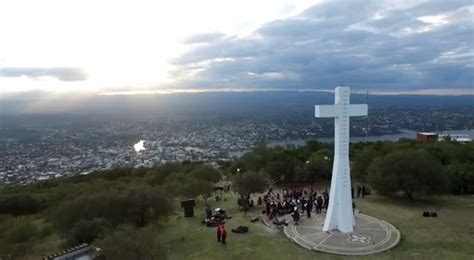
[422, 201]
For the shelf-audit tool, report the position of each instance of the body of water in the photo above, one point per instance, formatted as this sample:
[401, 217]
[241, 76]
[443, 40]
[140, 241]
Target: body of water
[140, 146]
[408, 134]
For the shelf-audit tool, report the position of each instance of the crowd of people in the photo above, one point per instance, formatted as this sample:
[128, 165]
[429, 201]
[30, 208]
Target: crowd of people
[214, 219]
[295, 202]
[361, 191]
[245, 202]
[278, 203]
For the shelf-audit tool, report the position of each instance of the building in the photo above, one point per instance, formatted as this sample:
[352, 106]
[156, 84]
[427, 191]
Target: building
[426, 137]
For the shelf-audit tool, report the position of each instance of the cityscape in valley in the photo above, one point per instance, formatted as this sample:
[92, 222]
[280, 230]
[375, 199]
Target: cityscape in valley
[237, 129]
[41, 147]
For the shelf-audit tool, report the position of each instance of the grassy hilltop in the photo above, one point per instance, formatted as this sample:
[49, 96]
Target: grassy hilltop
[130, 211]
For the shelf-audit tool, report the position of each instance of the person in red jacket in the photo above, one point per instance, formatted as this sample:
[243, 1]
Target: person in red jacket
[223, 234]
[219, 233]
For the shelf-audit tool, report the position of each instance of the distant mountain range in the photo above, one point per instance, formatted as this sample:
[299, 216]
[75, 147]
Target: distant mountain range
[263, 102]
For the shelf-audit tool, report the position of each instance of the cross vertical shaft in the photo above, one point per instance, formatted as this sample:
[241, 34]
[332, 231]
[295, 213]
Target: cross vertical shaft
[339, 215]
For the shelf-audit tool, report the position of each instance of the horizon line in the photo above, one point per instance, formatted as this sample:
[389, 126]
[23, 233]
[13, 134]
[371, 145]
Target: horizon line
[377, 92]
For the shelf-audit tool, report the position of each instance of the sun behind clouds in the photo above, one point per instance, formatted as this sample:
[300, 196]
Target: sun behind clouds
[119, 44]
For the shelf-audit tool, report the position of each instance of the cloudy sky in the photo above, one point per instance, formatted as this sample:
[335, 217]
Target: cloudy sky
[144, 46]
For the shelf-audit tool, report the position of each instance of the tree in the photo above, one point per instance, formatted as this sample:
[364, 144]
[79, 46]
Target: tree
[116, 173]
[410, 171]
[314, 145]
[140, 171]
[251, 161]
[136, 207]
[361, 163]
[302, 172]
[177, 177]
[206, 173]
[195, 187]
[9, 251]
[158, 174]
[147, 205]
[130, 243]
[319, 164]
[257, 158]
[250, 182]
[20, 230]
[279, 170]
[449, 151]
[19, 204]
[86, 231]
[282, 164]
[462, 177]
[18, 235]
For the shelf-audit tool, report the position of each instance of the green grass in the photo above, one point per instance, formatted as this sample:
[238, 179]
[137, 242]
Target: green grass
[187, 238]
[450, 236]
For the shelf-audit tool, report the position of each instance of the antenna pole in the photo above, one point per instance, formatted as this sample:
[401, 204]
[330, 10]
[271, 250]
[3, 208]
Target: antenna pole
[367, 126]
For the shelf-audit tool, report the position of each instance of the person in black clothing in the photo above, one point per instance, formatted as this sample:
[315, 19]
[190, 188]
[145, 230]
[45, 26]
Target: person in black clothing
[270, 190]
[309, 207]
[352, 191]
[273, 210]
[267, 208]
[363, 190]
[208, 212]
[279, 208]
[359, 190]
[288, 207]
[326, 200]
[296, 215]
[319, 204]
[303, 205]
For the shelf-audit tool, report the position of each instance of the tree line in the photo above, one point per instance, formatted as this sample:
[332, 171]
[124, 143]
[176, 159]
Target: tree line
[405, 167]
[105, 207]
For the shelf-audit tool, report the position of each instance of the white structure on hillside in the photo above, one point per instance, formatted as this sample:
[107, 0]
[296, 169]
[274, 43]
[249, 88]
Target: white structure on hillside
[339, 215]
[463, 138]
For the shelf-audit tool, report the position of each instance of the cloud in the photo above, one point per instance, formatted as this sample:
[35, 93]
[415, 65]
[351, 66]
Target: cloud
[365, 44]
[61, 73]
[204, 38]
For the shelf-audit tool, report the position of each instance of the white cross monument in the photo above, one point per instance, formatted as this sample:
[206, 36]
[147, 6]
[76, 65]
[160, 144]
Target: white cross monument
[339, 215]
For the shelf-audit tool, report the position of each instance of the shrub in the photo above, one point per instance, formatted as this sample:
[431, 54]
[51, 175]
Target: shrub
[134, 207]
[86, 231]
[409, 171]
[130, 243]
[19, 204]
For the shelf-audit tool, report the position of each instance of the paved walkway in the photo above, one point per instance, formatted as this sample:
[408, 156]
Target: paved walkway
[370, 235]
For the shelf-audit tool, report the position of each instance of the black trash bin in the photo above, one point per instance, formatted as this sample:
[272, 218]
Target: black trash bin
[188, 206]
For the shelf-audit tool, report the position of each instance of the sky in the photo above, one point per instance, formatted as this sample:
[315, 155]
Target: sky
[416, 46]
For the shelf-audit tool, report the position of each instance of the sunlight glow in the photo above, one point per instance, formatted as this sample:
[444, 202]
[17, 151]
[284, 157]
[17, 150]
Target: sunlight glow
[118, 43]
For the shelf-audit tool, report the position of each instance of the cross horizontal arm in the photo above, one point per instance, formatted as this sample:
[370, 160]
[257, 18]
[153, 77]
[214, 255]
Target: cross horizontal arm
[326, 111]
[336, 110]
[358, 110]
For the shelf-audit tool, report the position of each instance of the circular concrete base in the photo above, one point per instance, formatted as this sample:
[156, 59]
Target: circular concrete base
[370, 236]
